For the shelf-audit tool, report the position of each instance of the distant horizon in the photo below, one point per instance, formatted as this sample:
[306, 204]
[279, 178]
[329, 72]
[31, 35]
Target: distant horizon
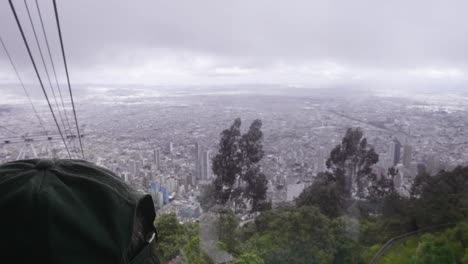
[93, 93]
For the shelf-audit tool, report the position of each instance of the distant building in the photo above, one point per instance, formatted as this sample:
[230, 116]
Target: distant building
[395, 152]
[172, 185]
[202, 163]
[407, 155]
[136, 167]
[198, 161]
[206, 168]
[157, 159]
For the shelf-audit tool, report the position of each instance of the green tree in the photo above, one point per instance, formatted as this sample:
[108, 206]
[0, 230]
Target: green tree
[347, 248]
[177, 239]
[192, 254]
[419, 184]
[324, 194]
[236, 166]
[248, 258]
[384, 197]
[293, 235]
[252, 152]
[382, 186]
[351, 163]
[443, 197]
[464, 260]
[170, 237]
[349, 173]
[446, 246]
[226, 226]
[435, 250]
[227, 163]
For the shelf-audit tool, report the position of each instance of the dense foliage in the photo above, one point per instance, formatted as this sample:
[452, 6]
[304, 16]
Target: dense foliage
[171, 237]
[226, 227]
[176, 239]
[450, 246]
[249, 258]
[441, 198]
[345, 216]
[300, 235]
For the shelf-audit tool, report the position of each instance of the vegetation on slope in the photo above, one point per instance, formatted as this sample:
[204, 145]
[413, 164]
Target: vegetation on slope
[343, 217]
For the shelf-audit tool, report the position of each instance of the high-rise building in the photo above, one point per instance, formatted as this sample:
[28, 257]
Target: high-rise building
[202, 163]
[395, 152]
[206, 168]
[157, 159]
[171, 185]
[198, 161]
[407, 155]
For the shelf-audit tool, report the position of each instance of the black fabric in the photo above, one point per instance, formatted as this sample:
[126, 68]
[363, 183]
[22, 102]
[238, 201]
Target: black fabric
[67, 211]
[145, 256]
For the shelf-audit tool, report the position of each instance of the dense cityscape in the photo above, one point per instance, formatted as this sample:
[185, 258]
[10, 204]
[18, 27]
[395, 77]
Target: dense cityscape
[164, 145]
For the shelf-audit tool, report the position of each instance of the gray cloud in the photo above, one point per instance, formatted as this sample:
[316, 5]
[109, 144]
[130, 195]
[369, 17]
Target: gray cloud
[203, 41]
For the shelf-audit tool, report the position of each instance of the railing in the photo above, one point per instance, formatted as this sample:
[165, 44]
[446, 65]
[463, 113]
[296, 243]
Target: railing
[393, 241]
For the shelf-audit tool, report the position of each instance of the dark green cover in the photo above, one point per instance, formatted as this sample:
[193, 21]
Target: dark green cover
[66, 211]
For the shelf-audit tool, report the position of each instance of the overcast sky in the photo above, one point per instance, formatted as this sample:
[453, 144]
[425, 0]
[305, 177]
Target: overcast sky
[306, 42]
